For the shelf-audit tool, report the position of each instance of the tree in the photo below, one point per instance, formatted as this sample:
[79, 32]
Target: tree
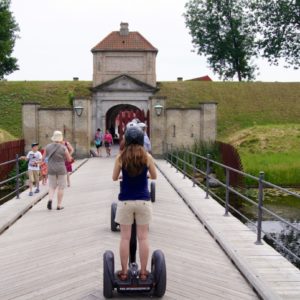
[8, 29]
[224, 31]
[279, 27]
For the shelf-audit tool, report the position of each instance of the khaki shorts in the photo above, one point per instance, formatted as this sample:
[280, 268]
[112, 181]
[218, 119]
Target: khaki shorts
[141, 210]
[59, 181]
[34, 176]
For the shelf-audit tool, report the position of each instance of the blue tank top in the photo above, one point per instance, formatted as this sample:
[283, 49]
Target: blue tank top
[134, 188]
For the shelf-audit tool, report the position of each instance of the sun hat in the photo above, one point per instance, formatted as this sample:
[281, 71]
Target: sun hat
[34, 144]
[134, 135]
[57, 136]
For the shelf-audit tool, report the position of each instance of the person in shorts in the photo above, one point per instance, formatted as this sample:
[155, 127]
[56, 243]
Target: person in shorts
[56, 153]
[34, 158]
[133, 164]
[108, 140]
[98, 141]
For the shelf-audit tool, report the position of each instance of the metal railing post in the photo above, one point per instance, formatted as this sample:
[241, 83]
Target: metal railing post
[227, 194]
[207, 175]
[260, 205]
[194, 169]
[177, 166]
[184, 163]
[166, 156]
[17, 176]
[171, 154]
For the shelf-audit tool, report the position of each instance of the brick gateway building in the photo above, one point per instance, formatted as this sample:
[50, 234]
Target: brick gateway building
[124, 85]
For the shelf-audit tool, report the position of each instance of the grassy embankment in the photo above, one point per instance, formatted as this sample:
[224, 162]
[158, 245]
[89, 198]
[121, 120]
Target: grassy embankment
[47, 93]
[255, 107]
[260, 119]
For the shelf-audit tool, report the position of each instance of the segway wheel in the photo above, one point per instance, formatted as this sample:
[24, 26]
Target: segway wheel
[152, 191]
[113, 210]
[159, 272]
[108, 274]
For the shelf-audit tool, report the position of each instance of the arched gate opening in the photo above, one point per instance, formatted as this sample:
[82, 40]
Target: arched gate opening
[118, 116]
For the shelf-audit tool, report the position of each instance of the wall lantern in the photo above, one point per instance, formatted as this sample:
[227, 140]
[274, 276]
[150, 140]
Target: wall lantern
[78, 110]
[158, 109]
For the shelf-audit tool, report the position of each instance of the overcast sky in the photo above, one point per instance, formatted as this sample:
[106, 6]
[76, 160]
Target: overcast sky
[56, 37]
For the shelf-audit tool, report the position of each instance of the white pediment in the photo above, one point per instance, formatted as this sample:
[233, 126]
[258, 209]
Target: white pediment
[124, 83]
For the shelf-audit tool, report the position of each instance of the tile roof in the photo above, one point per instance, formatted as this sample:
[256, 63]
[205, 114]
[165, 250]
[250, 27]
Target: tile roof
[133, 41]
[203, 78]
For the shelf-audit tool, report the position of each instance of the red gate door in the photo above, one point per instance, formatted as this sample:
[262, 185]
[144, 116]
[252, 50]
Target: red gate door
[126, 116]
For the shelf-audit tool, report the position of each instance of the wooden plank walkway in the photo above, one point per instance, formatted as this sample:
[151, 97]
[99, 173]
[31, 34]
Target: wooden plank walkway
[268, 271]
[58, 254]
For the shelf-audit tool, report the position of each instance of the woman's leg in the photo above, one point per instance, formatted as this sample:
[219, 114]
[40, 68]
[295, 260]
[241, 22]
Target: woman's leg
[60, 194]
[68, 179]
[51, 192]
[124, 246]
[142, 235]
[61, 182]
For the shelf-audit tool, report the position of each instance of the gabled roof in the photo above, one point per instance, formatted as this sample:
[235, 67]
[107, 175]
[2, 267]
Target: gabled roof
[133, 41]
[202, 78]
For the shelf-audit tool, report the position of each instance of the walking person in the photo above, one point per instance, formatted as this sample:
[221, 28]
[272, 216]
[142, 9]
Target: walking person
[68, 164]
[134, 199]
[34, 158]
[56, 154]
[44, 169]
[147, 143]
[108, 140]
[98, 141]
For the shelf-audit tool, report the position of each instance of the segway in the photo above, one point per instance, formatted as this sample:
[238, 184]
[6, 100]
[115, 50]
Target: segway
[155, 283]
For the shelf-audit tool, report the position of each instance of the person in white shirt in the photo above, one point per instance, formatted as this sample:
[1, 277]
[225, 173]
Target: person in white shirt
[34, 158]
[147, 143]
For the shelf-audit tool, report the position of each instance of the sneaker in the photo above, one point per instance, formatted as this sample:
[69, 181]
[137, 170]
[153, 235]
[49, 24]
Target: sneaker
[49, 204]
[30, 193]
[37, 191]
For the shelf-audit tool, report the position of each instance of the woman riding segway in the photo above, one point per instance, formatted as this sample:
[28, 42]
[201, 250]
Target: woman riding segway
[134, 199]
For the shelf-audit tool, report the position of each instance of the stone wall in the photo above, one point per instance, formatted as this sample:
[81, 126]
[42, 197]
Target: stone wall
[54, 119]
[181, 127]
[30, 123]
[108, 65]
[40, 123]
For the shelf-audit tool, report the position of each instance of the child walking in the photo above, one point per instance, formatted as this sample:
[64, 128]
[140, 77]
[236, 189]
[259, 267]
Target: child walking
[34, 158]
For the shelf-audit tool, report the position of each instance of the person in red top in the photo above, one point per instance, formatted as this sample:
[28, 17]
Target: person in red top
[68, 164]
[108, 140]
[44, 169]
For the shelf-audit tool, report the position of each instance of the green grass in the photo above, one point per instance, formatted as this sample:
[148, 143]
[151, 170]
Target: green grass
[47, 93]
[272, 149]
[240, 104]
[279, 168]
[260, 119]
[6, 136]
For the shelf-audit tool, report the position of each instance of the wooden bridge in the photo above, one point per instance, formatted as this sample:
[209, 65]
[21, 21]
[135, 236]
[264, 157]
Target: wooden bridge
[58, 254]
